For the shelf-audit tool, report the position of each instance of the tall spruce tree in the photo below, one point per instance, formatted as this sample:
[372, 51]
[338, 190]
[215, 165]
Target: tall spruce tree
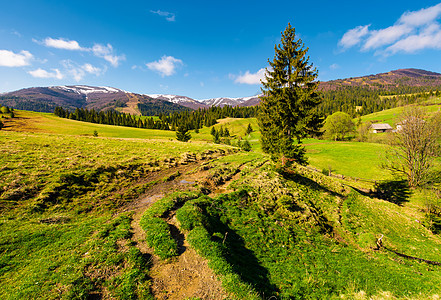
[288, 106]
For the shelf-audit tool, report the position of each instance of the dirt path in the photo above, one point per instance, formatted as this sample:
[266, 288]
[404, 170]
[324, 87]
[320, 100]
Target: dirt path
[187, 275]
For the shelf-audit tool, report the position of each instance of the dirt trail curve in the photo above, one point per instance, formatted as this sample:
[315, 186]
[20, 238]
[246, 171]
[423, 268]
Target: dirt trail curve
[187, 275]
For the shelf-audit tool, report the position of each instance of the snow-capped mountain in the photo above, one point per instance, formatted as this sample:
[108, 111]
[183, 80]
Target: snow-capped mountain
[85, 89]
[181, 100]
[223, 101]
[105, 98]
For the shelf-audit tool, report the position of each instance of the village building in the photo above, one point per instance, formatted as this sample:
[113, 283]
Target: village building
[381, 127]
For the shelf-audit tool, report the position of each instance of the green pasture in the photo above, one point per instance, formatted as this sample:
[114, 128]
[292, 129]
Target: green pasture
[354, 159]
[237, 128]
[391, 116]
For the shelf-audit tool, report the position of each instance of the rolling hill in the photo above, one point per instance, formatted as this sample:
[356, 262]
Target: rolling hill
[387, 81]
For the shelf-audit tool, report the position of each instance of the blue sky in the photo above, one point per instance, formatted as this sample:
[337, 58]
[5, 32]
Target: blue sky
[207, 49]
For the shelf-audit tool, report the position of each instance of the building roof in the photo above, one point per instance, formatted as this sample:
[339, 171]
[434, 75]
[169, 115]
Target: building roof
[381, 126]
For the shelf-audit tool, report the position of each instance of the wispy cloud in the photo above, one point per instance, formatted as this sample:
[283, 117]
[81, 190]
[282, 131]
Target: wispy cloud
[166, 66]
[170, 17]
[11, 59]
[107, 52]
[353, 37]
[99, 50]
[413, 31]
[249, 78]
[63, 44]
[334, 67]
[40, 73]
[78, 72]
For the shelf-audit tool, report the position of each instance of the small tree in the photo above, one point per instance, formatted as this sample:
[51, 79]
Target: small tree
[213, 131]
[182, 134]
[1, 125]
[288, 106]
[338, 125]
[249, 129]
[413, 147]
[245, 145]
[216, 138]
[95, 133]
[226, 132]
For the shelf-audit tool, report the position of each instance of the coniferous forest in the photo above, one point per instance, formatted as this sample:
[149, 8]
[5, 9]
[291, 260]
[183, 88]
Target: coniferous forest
[195, 119]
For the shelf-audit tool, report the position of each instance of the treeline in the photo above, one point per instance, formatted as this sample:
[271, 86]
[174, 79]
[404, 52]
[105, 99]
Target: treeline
[196, 119]
[155, 108]
[24, 104]
[357, 101]
[110, 117]
[187, 119]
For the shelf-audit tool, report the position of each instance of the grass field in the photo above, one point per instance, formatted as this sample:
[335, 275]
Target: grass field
[391, 116]
[360, 160]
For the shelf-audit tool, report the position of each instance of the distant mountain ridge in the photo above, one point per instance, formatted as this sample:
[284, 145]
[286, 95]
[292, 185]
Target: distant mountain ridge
[388, 80]
[104, 98]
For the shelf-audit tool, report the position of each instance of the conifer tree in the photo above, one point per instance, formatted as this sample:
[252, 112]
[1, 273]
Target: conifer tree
[182, 134]
[288, 106]
[249, 129]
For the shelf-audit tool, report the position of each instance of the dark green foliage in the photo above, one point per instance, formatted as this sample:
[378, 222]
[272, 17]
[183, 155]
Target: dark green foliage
[249, 129]
[182, 134]
[165, 107]
[244, 145]
[95, 133]
[111, 118]
[216, 135]
[26, 104]
[368, 99]
[188, 119]
[288, 108]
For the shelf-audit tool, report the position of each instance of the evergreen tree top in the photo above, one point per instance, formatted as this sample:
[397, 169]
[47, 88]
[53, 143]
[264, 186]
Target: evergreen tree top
[290, 66]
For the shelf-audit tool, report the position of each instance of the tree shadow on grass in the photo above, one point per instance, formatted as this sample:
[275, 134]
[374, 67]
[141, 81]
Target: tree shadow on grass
[243, 261]
[394, 191]
[299, 178]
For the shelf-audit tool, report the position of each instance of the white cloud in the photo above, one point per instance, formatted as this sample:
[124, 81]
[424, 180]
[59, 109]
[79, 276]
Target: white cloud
[250, 78]
[166, 66]
[106, 52]
[353, 37]
[170, 17]
[413, 31]
[11, 59]
[78, 72]
[91, 69]
[428, 39]
[63, 44]
[421, 17]
[379, 38]
[40, 73]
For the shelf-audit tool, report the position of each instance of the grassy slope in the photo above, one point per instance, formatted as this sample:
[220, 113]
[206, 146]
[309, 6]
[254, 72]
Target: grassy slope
[391, 116]
[309, 237]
